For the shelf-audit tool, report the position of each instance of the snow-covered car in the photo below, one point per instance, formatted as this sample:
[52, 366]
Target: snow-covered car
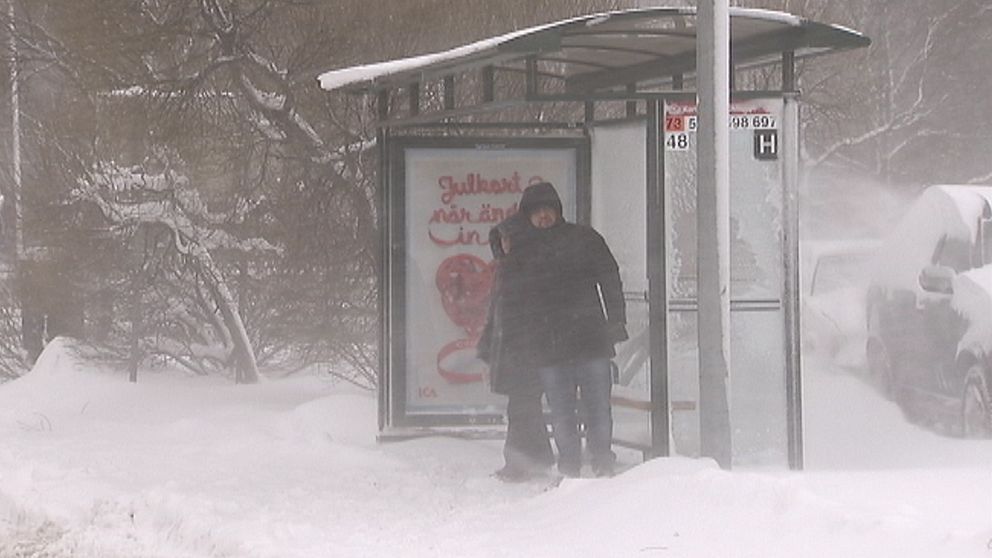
[929, 311]
[835, 280]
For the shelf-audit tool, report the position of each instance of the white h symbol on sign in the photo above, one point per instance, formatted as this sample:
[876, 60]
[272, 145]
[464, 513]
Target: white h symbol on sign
[766, 144]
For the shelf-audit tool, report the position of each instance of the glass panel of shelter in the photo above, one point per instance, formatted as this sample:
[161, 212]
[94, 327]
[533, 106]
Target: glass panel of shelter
[758, 403]
[619, 213]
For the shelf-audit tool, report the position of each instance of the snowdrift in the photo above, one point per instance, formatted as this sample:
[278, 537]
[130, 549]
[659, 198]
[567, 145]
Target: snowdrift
[92, 466]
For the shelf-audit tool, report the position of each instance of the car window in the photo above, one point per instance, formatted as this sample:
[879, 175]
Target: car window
[839, 271]
[953, 253]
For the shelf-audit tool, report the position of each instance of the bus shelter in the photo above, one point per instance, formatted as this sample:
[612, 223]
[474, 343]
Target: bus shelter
[603, 107]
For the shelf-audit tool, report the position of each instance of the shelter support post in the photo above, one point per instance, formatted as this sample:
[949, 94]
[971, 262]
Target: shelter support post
[449, 93]
[488, 84]
[531, 70]
[713, 234]
[414, 99]
[657, 285]
[382, 276]
[789, 71]
[793, 378]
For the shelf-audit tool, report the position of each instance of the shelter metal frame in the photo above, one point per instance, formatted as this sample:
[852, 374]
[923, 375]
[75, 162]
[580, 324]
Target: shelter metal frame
[641, 58]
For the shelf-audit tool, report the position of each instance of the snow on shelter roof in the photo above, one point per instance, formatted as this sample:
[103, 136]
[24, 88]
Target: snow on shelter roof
[609, 49]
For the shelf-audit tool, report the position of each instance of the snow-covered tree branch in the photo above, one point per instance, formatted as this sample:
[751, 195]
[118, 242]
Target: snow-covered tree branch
[130, 199]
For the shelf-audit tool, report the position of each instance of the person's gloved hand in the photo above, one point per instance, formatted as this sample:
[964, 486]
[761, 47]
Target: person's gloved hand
[616, 332]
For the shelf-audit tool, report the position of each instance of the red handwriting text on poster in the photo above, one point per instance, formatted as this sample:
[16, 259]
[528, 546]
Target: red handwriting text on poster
[464, 280]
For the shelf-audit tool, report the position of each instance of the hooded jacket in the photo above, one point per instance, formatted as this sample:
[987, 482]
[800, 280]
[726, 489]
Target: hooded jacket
[541, 194]
[574, 283]
[563, 299]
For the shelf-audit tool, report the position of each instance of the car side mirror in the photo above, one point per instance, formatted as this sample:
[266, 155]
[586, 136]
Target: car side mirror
[937, 279]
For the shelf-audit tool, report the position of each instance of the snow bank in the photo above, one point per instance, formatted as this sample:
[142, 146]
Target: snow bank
[196, 467]
[850, 427]
[679, 508]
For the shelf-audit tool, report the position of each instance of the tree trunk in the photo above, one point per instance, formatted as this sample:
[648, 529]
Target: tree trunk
[246, 367]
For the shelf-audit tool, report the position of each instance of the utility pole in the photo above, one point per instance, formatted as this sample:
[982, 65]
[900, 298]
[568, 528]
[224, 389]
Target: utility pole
[32, 323]
[713, 227]
[15, 131]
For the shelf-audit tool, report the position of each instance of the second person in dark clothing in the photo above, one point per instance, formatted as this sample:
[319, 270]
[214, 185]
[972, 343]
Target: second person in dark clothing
[506, 346]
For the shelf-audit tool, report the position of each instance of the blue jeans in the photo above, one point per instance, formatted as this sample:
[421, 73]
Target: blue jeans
[567, 386]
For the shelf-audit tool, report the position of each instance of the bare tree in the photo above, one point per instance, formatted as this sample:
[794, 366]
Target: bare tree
[227, 89]
[902, 110]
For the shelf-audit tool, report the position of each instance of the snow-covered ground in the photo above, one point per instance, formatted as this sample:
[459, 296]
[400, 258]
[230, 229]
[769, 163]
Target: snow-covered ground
[91, 466]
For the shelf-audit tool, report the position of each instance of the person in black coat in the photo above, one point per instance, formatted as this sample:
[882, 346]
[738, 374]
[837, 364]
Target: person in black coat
[575, 313]
[505, 345]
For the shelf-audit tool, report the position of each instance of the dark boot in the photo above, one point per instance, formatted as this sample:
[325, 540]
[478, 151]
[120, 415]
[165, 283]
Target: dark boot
[527, 445]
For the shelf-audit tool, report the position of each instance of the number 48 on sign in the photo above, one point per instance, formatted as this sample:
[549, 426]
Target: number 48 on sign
[678, 141]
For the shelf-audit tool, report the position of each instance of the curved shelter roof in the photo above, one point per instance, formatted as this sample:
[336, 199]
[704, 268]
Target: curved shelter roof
[610, 50]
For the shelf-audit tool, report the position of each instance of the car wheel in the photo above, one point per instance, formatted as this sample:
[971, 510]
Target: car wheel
[976, 405]
[880, 367]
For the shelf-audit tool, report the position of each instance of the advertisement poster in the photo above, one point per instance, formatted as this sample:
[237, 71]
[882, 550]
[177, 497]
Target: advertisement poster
[454, 196]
